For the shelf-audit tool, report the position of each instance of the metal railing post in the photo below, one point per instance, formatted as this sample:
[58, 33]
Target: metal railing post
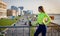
[29, 30]
[23, 31]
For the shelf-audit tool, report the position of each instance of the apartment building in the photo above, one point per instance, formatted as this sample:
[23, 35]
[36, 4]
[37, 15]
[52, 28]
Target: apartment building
[3, 8]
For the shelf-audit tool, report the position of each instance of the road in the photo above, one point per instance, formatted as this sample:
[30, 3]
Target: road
[18, 31]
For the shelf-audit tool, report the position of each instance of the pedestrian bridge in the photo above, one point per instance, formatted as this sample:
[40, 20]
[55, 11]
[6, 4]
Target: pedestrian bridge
[52, 30]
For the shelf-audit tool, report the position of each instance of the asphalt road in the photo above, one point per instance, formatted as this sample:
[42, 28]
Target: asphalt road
[18, 31]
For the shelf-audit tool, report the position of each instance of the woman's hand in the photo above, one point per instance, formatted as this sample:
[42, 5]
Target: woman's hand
[45, 20]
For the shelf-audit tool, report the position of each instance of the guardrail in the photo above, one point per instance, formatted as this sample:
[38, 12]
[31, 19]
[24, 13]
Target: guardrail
[14, 30]
[28, 30]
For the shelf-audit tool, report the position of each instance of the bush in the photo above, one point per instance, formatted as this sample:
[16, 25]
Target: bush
[2, 35]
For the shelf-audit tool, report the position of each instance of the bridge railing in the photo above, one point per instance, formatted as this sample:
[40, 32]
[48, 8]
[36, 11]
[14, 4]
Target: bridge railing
[27, 30]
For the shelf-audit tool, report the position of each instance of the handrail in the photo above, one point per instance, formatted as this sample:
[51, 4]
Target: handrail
[22, 26]
[55, 24]
[29, 28]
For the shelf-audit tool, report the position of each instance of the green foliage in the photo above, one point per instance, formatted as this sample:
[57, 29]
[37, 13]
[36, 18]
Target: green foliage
[7, 22]
[32, 31]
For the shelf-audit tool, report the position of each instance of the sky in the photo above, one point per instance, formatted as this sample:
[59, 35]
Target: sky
[50, 6]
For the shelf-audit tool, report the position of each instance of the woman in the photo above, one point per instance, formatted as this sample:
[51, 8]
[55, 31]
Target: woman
[43, 19]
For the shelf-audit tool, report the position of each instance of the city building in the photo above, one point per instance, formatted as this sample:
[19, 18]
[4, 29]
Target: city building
[3, 9]
[21, 10]
[28, 12]
[11, 12]
[16, 9]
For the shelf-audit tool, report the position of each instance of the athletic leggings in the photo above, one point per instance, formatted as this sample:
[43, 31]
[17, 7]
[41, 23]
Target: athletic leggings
[40, 29]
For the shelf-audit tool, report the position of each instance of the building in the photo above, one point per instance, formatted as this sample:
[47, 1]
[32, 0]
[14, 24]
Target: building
[3, 8]
[28, 12]
[11, 12]
[21, 10]
[14, 8]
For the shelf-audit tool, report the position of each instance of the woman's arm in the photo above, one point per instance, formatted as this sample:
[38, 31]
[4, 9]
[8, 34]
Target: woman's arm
[48, 20]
